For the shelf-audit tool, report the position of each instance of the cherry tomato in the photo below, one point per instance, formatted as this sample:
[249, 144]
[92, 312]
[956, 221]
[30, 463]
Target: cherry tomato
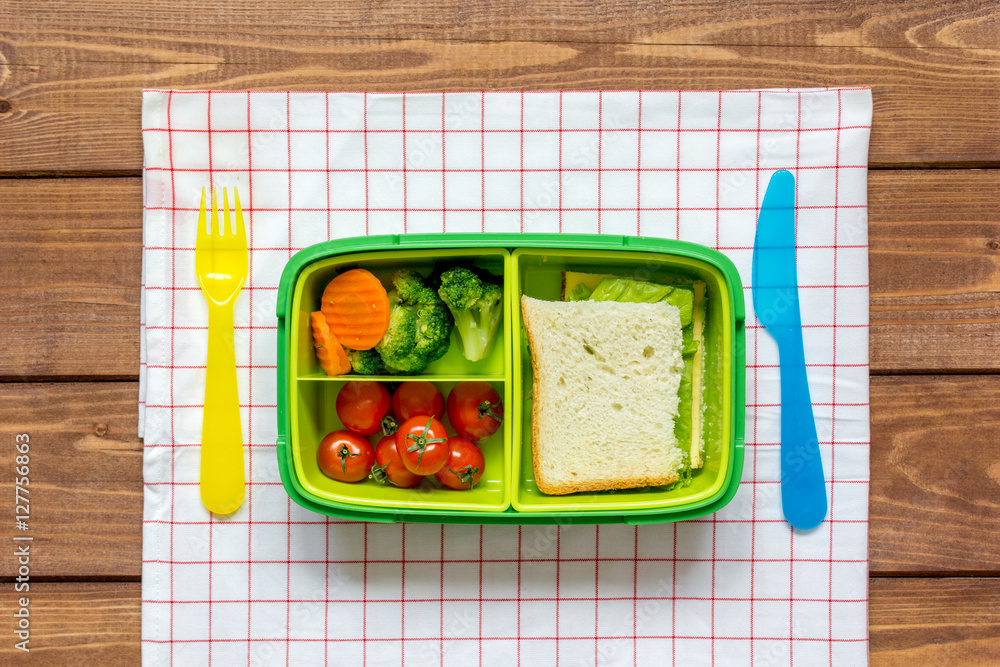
[418, 398]
[362, 405]
[465, 465]
[345, 456]
[422, 443]
[475, 410]
[389, 468]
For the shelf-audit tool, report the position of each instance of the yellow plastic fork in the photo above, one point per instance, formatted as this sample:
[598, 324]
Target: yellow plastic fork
[220, 259]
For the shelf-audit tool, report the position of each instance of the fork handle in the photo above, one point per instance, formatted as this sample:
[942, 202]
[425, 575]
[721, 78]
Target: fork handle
[222, 474]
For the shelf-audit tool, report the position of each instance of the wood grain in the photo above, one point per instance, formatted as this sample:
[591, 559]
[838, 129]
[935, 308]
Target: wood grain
[935, 493]
[913, 622]
[934, 265]
[85, 477]
[935, 475]
[70, 266]
[62, 96]
[70, 269]
[934, 622]
[75, 623]
[159, 26]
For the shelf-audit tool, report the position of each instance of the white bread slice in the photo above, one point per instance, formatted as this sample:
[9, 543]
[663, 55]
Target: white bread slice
[605, 385]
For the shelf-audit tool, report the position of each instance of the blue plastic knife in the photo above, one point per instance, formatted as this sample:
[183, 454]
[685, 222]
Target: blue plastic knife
[775, 291]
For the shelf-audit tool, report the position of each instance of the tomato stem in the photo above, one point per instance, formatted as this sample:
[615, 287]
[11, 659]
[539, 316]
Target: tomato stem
[486, 408]
[378, 473]
[465, 475]
[389, 425]
[421, 441]
[344, 453]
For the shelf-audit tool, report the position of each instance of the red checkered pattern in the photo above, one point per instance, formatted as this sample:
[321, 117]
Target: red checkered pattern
[276, 584]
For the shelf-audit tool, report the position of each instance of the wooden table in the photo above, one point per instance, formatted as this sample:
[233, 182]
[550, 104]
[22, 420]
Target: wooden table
[70, 212]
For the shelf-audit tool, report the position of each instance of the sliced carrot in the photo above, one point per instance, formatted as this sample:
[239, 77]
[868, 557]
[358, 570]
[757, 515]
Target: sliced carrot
[357, 309]
[332, 357]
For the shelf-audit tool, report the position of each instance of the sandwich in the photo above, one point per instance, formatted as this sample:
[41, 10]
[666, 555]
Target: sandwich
[617, 391]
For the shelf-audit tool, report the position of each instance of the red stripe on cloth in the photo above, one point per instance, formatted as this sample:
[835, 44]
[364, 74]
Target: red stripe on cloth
[406, 161]
[250, 486]
[444, 190]
[495, 170]
[402, 582]
[211, 182]
[651, 130]
[677, 190]
[519, 552]
[482, 170]
[753, 501]
[718, 180]
[638, 187]
[561, 169]
[288, 501]
[367, 172]
[173, 310]
[521, 157]
[600, 146]
[326, 121]
[496, 639]
[833, 388]
[441, 590]
[597, 589]
[480, 616]
[364, 604]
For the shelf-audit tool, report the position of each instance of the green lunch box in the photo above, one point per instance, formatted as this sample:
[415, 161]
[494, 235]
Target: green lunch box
[531, 264]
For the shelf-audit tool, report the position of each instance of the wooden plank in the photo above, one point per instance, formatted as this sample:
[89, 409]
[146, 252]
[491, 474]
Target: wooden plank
[933, 461]
[75, 623]
[70, 269]
[161, 26]
[85, 476]
[70, 266]
[933, 106]
[912, 621]
[935, 469]
[934, 271]
[934, 622]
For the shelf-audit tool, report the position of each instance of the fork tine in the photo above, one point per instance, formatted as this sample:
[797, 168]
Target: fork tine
[228, 227]
[202, 231]
[215, 215]
[241, 232]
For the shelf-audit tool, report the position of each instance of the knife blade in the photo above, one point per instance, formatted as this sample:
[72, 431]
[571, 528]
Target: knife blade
[775, 290]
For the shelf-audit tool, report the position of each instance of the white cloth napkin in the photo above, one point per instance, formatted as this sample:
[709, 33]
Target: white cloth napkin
[276, 584]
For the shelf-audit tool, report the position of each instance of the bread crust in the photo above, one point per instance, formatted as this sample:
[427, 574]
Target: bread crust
[551, 487]
[540, 482]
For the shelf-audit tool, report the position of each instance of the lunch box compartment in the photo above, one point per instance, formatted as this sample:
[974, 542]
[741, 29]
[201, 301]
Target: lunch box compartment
[538, 273]
[531, 264]
[316, 276]
[317, 416]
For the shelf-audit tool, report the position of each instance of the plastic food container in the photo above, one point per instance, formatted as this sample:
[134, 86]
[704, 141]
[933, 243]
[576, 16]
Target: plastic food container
[531, 264]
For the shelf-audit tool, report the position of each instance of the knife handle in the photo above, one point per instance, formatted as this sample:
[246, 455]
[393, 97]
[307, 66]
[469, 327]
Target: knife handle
[803, 491]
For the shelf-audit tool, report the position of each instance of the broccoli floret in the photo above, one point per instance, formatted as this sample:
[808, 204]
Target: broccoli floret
[476, 303]
[420, 326]
[366, 362]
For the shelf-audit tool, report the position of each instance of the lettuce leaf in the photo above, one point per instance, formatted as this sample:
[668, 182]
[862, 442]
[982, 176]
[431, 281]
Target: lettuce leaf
[630, 291]
[580, 293]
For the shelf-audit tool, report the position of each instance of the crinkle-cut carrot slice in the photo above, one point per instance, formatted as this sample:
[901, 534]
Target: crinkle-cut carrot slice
[357, 308]
[332, 357]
